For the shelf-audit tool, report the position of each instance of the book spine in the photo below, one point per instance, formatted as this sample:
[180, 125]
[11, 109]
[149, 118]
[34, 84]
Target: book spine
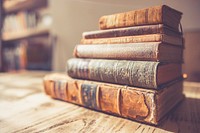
[129, 31]
[174, 40]
[109, 99]
[133, 73]
[125, 39]
[132, 31]
[146, 16]
[135, 51]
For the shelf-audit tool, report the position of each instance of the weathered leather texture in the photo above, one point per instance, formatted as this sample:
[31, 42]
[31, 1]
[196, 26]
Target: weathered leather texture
[110, 99]
[153, 15]
[130, 102]
[153, 51]
[133, 73]
[131, 31]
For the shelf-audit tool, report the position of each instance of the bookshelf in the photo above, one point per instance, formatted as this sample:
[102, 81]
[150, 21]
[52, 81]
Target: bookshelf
[25, 35]
[1, 23]
[17, 5]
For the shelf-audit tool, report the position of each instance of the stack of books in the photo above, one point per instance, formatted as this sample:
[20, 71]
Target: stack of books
[131, 67]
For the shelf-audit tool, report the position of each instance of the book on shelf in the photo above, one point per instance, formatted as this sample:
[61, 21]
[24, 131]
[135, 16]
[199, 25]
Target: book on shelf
[131, 31]
[143, 105]
[15, 56]
[19, 21]
[24, 21]
[175, 40]
[152, 15]
[133, 73]
[31, 54]
[11, 6]
[149, 51]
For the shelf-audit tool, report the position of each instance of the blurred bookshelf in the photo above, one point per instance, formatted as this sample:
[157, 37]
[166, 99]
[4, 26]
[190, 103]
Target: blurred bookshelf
[1, 23]
[24, 34]
[26, 40]
[17, 5]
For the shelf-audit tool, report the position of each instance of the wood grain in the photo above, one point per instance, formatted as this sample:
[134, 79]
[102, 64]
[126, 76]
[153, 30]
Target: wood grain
[25, 108]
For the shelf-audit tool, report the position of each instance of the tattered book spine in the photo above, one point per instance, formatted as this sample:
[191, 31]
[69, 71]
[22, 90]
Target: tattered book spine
[131, 31]
[133, 51]
[109, 99]
[152, 15]
[133, 73]
[175, 40]
[154, 51]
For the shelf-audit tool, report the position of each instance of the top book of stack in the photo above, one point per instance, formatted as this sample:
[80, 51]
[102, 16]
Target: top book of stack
[148, 16]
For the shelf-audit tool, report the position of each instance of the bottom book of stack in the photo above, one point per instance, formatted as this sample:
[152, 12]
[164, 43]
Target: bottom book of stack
[139, 104]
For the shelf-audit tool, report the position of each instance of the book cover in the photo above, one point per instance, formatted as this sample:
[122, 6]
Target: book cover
[134, 73]
[152, 15]
[151, 51]
[129, 102]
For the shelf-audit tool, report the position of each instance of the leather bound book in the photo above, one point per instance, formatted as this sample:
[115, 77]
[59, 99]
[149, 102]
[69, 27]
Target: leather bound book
[153, 51]
[149, 106]
[131, 31]
[136, 39]
[134, 73]
[153, 15]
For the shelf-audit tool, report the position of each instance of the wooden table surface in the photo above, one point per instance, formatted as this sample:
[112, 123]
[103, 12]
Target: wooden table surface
[25, 108]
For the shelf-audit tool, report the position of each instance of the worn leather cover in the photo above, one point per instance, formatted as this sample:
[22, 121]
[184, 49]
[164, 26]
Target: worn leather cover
[136, 39]
[130, 102]
[131, 31]
[134, 73]
[153, 51]
[152, 15]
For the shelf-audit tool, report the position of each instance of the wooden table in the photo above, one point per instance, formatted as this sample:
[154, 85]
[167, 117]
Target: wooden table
[25, 108]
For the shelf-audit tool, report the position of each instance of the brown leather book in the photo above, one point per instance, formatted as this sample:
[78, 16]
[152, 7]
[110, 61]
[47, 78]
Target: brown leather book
[153, 15]
[136, 39]
[131, 31]
[149, 106]
[134, 73]
[153, 51]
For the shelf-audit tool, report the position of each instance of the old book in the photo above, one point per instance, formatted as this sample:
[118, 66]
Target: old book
[136, 39]
[134, 73]
[153, 15]
[143, 105]
[152, 51]
[131, 31]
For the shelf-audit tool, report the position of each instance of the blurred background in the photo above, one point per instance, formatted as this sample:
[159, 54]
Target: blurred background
[41, 34]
